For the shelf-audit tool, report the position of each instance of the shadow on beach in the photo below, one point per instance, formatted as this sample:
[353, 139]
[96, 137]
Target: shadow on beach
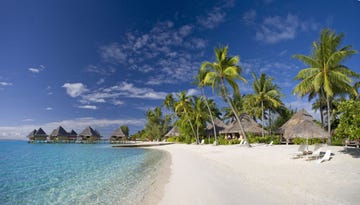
[354, 152]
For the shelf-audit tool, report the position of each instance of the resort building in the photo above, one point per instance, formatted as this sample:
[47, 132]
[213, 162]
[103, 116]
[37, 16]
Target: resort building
[37, 136]
[250, 126]
[59, 135]
[89, 135]
[117, 136]
[174, 132]
[73, 136]
[302, 125]
[219, 126]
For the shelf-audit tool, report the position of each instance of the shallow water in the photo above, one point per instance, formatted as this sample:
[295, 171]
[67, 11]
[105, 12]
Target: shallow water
[75, 173]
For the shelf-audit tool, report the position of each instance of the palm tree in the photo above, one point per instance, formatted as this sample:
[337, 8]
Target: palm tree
[199, 114]
[200, 80]
[225, 70]
[184, 106]
[266, 95]
[326, 73]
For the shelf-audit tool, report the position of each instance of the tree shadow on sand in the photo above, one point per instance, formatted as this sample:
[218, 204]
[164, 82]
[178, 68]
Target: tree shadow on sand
[354, 152]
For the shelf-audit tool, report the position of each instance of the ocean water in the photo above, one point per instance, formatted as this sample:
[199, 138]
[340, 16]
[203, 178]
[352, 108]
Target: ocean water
[75, 173]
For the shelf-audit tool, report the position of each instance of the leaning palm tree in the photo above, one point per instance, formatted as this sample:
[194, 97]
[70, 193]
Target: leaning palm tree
[266, 95]
[200, 80]
[225, 70]
[326, 72]
[184, 106]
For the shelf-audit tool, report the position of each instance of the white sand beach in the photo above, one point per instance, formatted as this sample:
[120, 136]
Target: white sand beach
[206, 174]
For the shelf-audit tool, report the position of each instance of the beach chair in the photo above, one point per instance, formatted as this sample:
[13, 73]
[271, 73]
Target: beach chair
[241, 141]
[300, 152]
[270, 144]
[326, 157]
[202, 142]
[315, 155]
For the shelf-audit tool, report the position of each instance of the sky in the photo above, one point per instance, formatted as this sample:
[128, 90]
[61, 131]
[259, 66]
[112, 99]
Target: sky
[104, 63]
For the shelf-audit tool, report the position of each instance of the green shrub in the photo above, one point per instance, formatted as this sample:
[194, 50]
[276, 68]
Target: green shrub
[337, 141]
[222, 141]
[311, 141]
[171, 139]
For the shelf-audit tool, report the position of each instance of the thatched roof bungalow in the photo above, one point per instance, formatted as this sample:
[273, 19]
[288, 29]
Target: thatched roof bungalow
[39, 135]
[72, 135]
[117, 136]
[89, 134]
[59, 134]
[219, 126]
[174, 132]
[302, 125]
[249, 125]
[31, 135]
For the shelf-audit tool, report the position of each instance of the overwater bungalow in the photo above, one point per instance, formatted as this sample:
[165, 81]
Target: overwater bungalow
[117, 136]
[59, 135]
[73, 136]
[250, 126]
[37, 136]
[89, 135]
[302, 125]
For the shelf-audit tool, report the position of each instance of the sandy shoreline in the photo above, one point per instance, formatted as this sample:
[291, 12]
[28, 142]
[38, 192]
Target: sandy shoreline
[206, 174]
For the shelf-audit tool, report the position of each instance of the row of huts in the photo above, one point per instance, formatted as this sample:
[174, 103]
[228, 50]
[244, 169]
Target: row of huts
[301, 125]
[88, 135]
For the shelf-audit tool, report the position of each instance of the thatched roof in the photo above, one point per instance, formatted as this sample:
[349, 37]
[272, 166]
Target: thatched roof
[302, 125]
[90, 132]
[118, 133]
[40, 133]
[31, 134]
[60, 131]
[174, 132]
[219, 126]
[248, 124]
[73, 133]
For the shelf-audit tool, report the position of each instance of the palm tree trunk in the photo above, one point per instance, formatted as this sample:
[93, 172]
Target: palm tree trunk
[211, 117]
[262, 118]
[329, 118]
[321, 115]
[242, 132]
[269, 121]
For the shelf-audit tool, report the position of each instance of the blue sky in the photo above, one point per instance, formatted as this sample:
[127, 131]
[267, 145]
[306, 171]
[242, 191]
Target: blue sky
[104, 63]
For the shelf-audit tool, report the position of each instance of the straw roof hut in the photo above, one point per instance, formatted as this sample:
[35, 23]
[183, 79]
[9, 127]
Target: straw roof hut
[174, 132]
[249, 125]
[219, 126]
[117, 135]
[59, 134]
[89, 134]
[31, 135]
[73, 135]
[40, 134]
[302, 125]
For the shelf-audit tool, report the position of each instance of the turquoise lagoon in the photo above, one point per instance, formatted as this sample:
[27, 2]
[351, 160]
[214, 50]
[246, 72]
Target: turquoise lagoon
[75, 173]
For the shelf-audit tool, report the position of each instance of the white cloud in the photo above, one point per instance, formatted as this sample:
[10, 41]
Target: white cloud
[5, 84]
[212, 19]
[28, 120]
[20, 132]
[118, 102]
[129, 90]
[49, 108]
[100, 81]
[249, 17]
[75, 89]
[101, 69]
[274, 29]
[37, 69]
[90, 107]
[192, 92]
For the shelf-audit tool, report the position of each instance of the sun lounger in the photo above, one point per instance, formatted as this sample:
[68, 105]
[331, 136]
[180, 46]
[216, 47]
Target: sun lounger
[202, 142]
[241, 141]
[326, 157]
[300, 152]
[270, 144]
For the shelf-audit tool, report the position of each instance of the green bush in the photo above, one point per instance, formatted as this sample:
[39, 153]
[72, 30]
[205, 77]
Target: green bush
[337, 141]
[310, 141]
[171, 139]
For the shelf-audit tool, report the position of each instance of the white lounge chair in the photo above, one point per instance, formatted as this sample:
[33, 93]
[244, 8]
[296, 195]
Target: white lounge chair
[300, 151]
[242, 141]
[326, 157]
[270, 144]
[202, 142]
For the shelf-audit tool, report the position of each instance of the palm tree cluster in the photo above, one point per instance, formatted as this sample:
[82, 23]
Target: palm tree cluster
[327, 80]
